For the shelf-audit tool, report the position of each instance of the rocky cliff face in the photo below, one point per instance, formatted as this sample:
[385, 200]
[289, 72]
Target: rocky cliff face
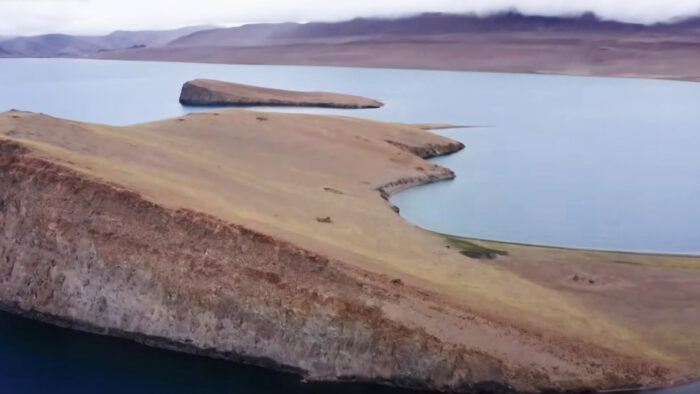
[91, 256]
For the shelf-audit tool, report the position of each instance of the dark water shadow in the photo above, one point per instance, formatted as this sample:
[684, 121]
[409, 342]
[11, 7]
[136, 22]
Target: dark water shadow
[38, 358]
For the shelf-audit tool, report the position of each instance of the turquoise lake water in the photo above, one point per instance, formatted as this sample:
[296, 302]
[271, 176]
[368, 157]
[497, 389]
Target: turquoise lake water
[599, 163]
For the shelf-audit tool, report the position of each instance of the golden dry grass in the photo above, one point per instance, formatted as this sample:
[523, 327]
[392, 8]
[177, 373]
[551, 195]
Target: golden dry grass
[278, 175]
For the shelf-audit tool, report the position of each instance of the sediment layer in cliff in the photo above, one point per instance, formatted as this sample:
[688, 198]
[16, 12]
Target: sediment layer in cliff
[220, 93]
[202, 233]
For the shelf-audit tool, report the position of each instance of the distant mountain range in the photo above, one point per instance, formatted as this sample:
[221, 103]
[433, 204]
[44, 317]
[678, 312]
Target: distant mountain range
[64, 45]
[420, 25]
[429, 24]
[505, 42]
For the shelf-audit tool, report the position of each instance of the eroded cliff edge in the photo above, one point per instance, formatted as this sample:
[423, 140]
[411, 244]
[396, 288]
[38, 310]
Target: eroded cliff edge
[101, 258]
[213, 92]
[91, 252]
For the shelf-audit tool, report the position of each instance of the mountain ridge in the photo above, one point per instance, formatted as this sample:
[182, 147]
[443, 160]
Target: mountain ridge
[67, 45]
[422, 24]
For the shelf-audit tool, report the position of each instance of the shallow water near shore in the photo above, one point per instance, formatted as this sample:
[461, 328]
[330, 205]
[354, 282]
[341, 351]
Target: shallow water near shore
[568, 161]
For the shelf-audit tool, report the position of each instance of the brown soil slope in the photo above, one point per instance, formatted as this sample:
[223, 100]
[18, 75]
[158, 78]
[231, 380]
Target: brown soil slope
[262, 237]
[212, 92]
[652, 56]
[508, 42]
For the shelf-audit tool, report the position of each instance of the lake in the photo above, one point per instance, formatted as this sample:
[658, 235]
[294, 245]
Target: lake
[601, 163]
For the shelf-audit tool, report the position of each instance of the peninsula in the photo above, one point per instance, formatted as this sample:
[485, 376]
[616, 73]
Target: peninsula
[219, 93]
[268, 238]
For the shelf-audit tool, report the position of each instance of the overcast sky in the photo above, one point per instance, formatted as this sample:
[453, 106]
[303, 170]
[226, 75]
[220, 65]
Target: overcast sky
[22, 17]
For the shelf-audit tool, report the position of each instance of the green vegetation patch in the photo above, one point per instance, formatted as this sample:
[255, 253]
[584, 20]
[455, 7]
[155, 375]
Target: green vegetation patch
[626, 262]
[473, 250]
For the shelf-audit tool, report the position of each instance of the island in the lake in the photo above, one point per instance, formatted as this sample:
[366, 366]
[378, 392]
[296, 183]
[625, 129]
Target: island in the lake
[220, 93]
[268, 238]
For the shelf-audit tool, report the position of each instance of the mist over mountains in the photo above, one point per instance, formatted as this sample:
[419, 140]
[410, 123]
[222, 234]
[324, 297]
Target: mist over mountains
[382, 29]
[420, 25]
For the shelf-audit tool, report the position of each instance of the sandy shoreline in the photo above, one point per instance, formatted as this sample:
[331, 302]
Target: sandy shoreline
[206, 257]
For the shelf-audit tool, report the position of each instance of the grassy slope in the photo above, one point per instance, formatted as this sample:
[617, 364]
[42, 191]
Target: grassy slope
[655, 293]
[271, 176]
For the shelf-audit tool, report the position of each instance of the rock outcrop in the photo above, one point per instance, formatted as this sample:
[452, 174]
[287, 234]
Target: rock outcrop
[220, 93]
